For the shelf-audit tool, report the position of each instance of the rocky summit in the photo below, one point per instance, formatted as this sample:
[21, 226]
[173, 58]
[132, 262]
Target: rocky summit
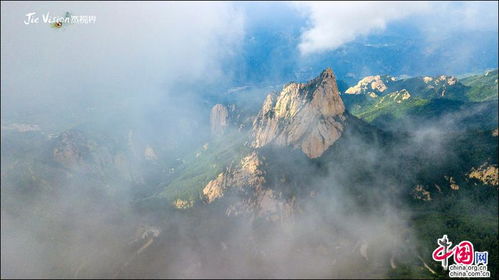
[308, 116]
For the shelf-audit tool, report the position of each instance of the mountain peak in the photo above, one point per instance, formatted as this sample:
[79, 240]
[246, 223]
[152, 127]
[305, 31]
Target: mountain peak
[327, 73]
[308, 116]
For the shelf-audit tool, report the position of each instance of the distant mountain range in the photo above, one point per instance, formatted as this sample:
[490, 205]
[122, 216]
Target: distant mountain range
[384, 100]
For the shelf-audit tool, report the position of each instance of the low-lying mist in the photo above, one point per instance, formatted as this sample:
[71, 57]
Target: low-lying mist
[347, 217]
[103, 124]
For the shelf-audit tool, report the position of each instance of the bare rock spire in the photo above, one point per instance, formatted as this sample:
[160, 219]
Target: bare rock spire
[308, 116]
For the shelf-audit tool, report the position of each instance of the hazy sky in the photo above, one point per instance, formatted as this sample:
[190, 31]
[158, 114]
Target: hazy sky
[336, 23]
[139, 50]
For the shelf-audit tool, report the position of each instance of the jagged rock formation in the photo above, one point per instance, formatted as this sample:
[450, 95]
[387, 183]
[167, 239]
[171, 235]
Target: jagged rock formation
[247, 174]
[248, 181]
[219, 119]
[308, 116]
[439, 86]
[373, 85]
[486, 173]
[443, 79]
[383, 100]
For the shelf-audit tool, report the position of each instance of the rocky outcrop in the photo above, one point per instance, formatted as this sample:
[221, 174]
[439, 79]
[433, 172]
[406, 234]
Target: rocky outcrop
[253, 198]
[373, 85]
[419, 192]
[394, 97]
[215, 188]
[486, 173]
[443, 79]
[219, 119]
[183, 204]
[449, 80]
[438, 86]
[247, 174]
[308, 116]
[452, 183]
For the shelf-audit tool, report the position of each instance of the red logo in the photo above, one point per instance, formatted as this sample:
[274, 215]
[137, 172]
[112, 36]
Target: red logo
[463, 253]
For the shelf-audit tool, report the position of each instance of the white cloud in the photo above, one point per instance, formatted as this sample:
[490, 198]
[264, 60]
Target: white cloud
[333, 24]
[336, 23]
[132, 49]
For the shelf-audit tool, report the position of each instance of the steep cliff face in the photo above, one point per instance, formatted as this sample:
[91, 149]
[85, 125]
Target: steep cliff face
[247, 173]
[270, 176]
[308, 116]
[219, 119]
[254, 198]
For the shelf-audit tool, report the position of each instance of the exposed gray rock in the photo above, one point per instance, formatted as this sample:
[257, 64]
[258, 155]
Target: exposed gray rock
[308, 116]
